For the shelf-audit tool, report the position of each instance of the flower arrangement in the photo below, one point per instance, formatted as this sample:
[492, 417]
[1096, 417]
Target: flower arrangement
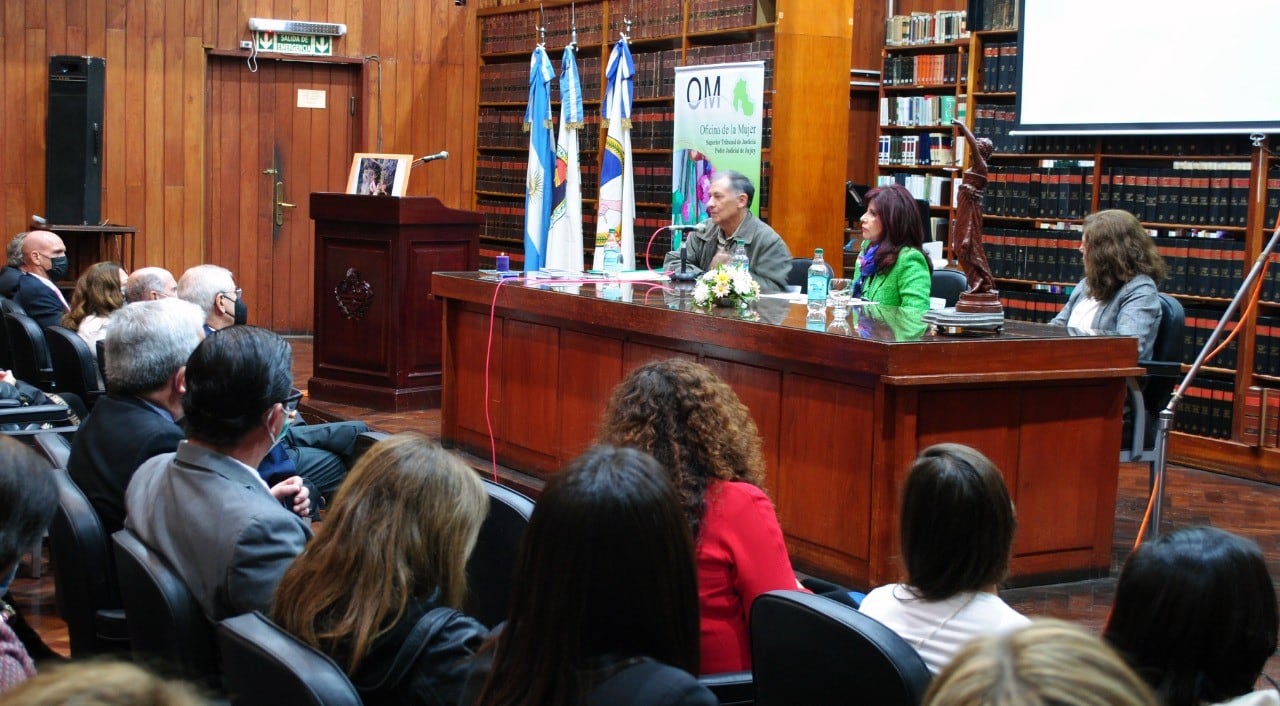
[726, 285]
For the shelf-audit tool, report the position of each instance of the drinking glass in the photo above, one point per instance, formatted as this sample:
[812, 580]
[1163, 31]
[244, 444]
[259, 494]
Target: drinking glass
[839, 293]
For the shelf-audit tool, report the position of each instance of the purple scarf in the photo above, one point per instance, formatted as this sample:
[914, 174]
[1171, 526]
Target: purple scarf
[866, 269]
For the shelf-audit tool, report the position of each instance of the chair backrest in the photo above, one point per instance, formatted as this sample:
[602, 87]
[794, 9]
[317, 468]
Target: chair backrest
[948, 284]
[799, 274]
[6, 356]
[83, 576]
[31, 362]
[264, 665]
[74, 367]
[490, 571]
[56, 448]
[1169, 342]
[9, 305]
[806, 649]
[165, 621]
[101, 350]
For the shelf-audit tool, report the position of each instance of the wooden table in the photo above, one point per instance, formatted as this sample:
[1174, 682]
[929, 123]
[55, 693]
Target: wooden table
[104, 243]
[842, 414]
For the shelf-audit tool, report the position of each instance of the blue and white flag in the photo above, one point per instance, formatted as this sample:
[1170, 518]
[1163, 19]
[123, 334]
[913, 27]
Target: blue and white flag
[617, 178]
[564, 244]
[537, 192]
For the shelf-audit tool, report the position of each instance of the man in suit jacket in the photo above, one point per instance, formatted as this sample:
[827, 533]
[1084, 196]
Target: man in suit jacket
[10, 273]
[44, 261]
[148, 344]
[204, 508]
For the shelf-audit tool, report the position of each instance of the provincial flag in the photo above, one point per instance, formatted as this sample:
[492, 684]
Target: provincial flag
[617, 197]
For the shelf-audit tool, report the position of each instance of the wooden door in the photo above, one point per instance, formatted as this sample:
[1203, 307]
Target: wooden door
[289, 122]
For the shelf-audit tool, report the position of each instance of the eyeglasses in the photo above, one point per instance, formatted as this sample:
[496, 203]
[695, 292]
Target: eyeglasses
[236, 292]
[290, 403]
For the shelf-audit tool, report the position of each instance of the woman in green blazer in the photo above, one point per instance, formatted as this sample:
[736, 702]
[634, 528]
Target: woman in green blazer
[892, 267]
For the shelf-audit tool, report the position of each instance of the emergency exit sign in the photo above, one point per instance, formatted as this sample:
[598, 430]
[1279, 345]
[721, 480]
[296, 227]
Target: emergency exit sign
[299, 44]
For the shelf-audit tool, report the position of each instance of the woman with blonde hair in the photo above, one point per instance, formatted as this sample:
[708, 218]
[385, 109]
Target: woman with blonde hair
[379, 587]
[99, 292]
[696, 427]
[1047, 663]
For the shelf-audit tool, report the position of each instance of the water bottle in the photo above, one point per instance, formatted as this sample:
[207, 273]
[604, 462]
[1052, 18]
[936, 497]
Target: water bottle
[612, 256]
[738, 256]
[819, 275]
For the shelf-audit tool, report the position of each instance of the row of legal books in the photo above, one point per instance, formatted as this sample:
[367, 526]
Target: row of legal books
[918, 111]
[649, 18]
[1199, 324]
[1177, 145]
[652, 175]
[759, 50]
[1261, 417]
[921, 70]
[1271, 283]
[503, 175]
[504, 127]
[1034, 254]
[932, 149]
[926, 187]
[652, 127]
[994, 121]
[1039, 192]
[993, 14]
[655, 75]
[1271, 216]
[1036, 307]
[1202, 267]
[518, 31]
[1266, 360]
[1206, 409]
[508, 82]
[1000, 67]
[1195, 193]
[942, 27]
[712, 15]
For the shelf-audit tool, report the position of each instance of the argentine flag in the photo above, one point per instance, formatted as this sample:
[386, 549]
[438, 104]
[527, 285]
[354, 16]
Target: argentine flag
[564, 245]
[537, 193]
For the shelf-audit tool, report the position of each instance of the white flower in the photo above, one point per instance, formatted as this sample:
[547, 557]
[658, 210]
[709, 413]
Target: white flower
[743, 284]
[701, 294]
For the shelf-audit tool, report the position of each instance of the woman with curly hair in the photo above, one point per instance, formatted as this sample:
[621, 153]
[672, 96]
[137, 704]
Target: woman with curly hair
[379, 587]
[99, 292]
[1121, 271]
[696, 427]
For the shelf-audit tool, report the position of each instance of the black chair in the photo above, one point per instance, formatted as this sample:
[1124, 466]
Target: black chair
[731, 688]
[492, 565]
[1149, 394]
[31, 361]
[810, 650]
[11, 306]
[7, 305]
[364, 442]
[262, 665]
[165, 621]
[55, 446]
[74, 368]
[799, 274]
[948, 284]
[83, 576]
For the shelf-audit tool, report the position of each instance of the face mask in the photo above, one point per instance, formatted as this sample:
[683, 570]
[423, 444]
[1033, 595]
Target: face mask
[242, 312]
[288, 420]
[58, 269]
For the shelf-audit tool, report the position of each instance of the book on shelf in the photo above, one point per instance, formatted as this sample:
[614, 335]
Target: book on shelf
[942, 27]
[987, 15]
[1206, 409]
[928, 187]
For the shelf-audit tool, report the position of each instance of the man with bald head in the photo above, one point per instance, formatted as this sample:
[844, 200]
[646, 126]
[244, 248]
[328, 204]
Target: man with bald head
[150, 284]
[44, 261]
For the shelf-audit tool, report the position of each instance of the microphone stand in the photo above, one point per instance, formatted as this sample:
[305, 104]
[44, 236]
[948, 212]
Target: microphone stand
[1164, 421]
[684, 275]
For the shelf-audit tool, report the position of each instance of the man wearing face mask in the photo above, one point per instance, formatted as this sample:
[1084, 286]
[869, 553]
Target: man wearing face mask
[44, 262]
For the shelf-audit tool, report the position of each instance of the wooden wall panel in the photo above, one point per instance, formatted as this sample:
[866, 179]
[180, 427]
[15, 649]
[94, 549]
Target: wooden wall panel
[155, 142]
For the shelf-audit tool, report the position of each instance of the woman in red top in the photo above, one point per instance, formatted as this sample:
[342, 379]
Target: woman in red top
[693, 423]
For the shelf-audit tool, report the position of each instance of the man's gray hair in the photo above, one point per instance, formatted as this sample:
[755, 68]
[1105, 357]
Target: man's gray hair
[13, 253]
[148, 342]
[201, 284]
[738, 184]
[145, 281]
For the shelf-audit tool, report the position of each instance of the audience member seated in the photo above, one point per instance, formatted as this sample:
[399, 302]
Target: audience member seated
[205, 509]
[28, 497]
[1121, 271]
[147, 349]
[149, 284]
[605, 607]
[320, 453]
[44, 262]
[892, 267]
[956, 535]
[10, 273]
[695, 426]
[102, 683]
[1047, 663]
[99, 292]
[28, 395]
[1195, 616]
[379, 588]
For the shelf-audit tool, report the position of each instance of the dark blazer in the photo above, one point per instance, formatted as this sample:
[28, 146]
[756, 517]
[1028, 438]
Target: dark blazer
[40, 302]
[120, 433]
[638, 681]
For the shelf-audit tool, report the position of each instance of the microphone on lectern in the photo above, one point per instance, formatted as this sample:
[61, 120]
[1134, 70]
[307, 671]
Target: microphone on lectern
[442, 154]
[683, 274]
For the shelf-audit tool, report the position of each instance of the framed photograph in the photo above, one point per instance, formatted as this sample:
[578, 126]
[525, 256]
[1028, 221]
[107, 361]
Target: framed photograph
[374, 174]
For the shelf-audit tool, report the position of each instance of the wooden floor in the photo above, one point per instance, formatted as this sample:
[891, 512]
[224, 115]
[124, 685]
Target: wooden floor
[1194, 497]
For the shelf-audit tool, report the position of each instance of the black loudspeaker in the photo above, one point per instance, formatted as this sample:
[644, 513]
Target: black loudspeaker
[73, 135]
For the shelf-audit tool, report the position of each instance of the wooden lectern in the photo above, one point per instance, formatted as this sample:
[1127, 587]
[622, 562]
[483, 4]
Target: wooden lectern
[377, 326]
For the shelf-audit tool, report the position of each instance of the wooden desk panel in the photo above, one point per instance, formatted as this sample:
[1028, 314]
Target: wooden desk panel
[842, 415]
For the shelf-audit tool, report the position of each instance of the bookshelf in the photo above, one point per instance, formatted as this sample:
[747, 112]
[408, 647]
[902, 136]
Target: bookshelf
[666, 34]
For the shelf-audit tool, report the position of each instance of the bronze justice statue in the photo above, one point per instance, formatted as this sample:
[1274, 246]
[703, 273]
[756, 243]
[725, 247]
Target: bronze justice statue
[981, 297]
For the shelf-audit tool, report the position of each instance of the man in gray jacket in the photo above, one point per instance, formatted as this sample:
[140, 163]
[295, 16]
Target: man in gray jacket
[205, 509]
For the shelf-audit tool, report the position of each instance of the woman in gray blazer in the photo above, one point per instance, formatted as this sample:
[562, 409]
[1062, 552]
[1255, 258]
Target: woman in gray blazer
[1121, 271]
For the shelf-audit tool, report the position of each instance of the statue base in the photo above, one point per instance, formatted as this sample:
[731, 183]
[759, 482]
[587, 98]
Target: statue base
[950, 322]
[980, 303]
